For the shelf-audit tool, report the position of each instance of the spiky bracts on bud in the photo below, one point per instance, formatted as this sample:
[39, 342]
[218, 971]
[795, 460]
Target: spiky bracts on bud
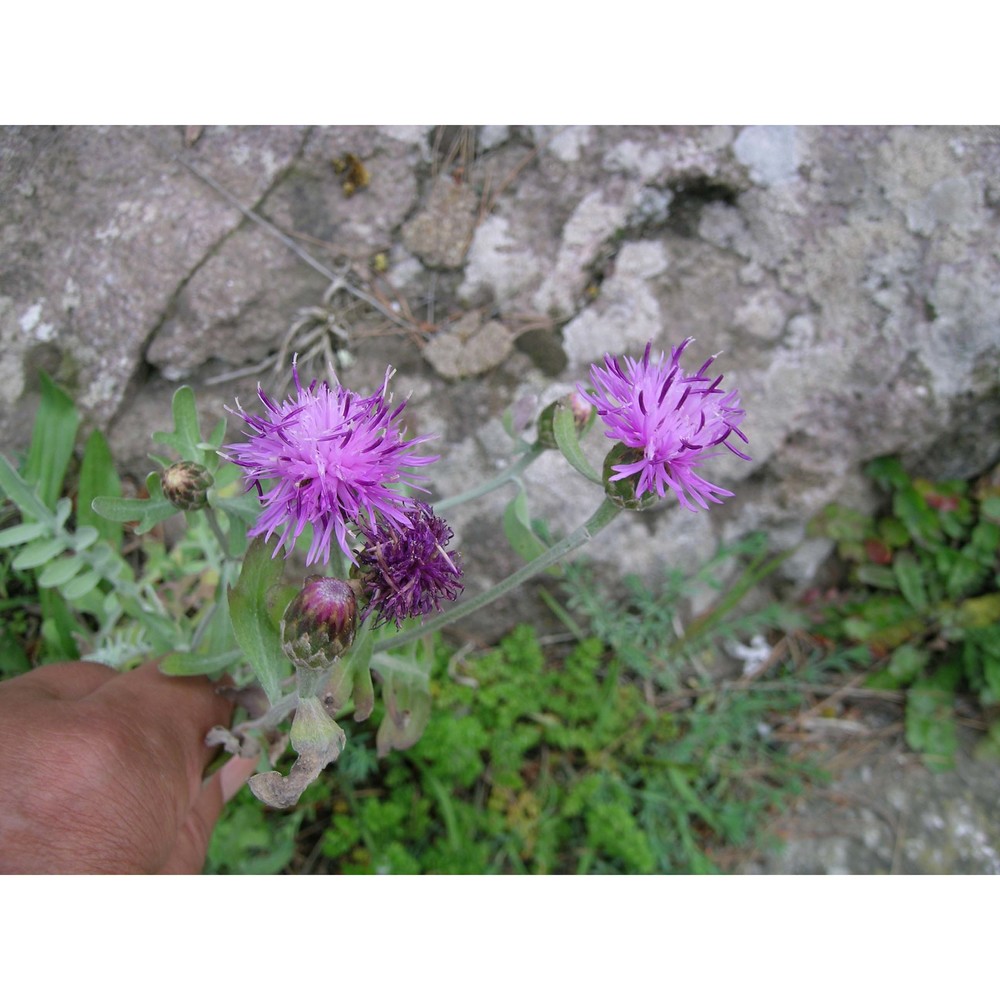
[319, 623]
[669, 422]
[186, 485]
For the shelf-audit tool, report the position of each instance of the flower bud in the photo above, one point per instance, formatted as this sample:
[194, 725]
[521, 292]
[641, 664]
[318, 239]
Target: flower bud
[318, 624]
[185, 485]
[583, 415]
[583, 410]
[621, 491]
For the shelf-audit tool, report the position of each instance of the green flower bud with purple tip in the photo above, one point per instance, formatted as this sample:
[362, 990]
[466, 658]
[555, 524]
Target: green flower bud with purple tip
[185, 485]
[583, 416]
[319, 623]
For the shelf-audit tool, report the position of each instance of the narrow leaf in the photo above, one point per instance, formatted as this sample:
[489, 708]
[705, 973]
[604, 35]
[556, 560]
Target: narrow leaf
[909, 576]
[517, 528]
[58, 627]
[254, 628]
[52, 441]
[98, 478]
[21, 493]
[191, 664]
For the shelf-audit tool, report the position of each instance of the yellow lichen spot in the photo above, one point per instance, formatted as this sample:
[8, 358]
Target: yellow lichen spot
[357, 173]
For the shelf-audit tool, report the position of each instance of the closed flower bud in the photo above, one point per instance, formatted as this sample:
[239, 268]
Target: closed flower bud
[185, 485]
[583, 410]
[583, 415]
[318, 625]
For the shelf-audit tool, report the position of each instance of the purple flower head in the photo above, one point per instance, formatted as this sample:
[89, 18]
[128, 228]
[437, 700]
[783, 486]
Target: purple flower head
[670, 420]
[407, 571]
[327, 457]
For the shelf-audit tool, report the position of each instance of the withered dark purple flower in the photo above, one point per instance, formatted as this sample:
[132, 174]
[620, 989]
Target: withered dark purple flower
[408, 571]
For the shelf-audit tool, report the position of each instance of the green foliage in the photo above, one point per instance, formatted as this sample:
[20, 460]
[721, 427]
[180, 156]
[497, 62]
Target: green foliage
[925, 598]
[256, 628]
[642, 631]
[529, 763]
[535, 765]
[539, 763]
[52, 440]
[63, 571]
[251, 840]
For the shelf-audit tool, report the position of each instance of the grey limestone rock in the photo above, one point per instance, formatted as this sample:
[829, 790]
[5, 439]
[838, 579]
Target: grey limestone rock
[848, 278]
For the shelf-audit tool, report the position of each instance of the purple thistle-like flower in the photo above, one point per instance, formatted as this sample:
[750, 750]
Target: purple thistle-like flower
[331, 457]
[672, 421]
[408, 571]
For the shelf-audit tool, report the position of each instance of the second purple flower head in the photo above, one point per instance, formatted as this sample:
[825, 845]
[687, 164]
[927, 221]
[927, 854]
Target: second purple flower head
[668, 421]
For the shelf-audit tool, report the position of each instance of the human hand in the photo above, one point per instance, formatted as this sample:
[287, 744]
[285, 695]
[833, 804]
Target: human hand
[101, 772]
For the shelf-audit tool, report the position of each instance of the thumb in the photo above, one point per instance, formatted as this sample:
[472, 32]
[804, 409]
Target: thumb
[191, 846]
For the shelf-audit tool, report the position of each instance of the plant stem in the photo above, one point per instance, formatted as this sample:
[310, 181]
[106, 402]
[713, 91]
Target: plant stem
[512, 471]
[602, 517]
[213, 523]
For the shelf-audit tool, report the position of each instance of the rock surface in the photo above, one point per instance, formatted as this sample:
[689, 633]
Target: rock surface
[885, 813]
[848, 275]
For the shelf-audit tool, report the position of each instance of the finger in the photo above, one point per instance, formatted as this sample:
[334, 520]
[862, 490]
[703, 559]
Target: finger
[234, 774]
[191, 846]
[69, 681]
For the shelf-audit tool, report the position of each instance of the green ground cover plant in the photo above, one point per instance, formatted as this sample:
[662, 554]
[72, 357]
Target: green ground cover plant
[923, 602]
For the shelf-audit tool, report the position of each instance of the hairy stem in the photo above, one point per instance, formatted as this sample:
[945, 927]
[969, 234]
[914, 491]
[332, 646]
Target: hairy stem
[511, 472]
[602, 517]
[213, 523]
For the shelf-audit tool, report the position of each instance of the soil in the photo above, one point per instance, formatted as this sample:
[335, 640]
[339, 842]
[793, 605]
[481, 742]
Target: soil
[884, 811]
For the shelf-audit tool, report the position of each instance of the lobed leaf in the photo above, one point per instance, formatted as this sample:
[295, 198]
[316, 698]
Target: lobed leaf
[60, 571]
[21, 533]
[22, 494]
[147, 512]
[185, 438]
